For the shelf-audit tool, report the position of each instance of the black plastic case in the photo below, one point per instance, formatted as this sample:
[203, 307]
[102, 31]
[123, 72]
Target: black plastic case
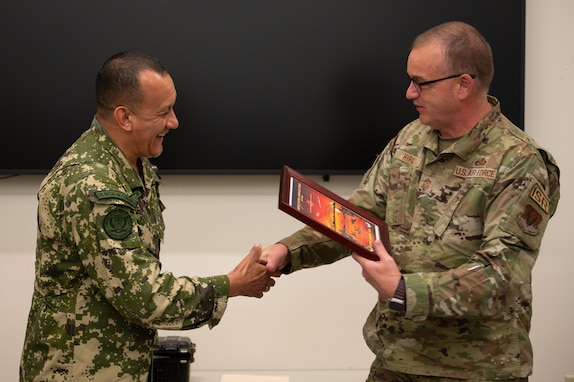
[172, 356]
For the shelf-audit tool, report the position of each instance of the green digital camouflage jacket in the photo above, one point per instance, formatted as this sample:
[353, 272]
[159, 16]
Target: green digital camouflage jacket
[99, 293]
[465, 228]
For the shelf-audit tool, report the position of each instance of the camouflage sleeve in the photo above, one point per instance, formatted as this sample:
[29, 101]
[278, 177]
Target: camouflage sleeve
[309, 248]
[127, 270]
[371, 193]
[498, 274]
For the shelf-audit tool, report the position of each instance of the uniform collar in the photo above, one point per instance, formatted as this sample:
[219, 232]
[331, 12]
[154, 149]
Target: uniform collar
[469, 143]
[149, 171]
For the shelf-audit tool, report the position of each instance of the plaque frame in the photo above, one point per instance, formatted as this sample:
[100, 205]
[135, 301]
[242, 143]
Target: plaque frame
[330, 214]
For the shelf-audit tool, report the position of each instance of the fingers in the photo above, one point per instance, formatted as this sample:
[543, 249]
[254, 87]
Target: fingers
[261, 290]
[263, 280]
[251, 277]
[380, 252]
[383, 275]
[269, 283]
[359, 259]
[255, 252]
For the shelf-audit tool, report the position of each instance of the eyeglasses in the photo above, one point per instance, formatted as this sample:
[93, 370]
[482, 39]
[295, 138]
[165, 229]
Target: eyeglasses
[419, 85]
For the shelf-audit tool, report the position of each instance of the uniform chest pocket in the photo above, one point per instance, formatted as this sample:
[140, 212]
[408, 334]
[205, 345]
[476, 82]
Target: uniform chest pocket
[462, 212]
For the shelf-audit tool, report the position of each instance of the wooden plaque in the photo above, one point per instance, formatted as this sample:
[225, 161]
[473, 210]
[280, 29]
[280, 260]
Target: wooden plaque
[330, 214]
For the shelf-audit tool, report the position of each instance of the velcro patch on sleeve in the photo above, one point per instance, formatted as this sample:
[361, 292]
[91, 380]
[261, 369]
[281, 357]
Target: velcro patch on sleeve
[538, 195]
[118, 224]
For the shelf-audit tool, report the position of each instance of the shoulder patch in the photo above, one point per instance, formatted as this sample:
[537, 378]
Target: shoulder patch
[118, 224]
[529, 220]
[539, 197]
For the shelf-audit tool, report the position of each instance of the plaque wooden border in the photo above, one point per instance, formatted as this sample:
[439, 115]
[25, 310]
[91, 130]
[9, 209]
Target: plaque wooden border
[330, 214]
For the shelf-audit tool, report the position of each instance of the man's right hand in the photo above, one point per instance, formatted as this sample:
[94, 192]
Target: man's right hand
[250, 278]
[275, 258]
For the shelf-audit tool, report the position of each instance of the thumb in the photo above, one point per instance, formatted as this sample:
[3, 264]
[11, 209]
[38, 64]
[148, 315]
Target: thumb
[255, 252]
[380, 249]
[379, 253]
[273, 268]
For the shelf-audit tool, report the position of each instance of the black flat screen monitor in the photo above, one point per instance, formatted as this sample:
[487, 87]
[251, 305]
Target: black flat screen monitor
[318, 85]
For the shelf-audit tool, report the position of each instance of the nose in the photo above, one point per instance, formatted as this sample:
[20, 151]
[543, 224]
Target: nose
[172, 121]
[412, 92]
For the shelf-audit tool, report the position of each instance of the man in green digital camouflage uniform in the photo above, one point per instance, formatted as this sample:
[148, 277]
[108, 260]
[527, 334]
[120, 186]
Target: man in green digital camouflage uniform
[99, 293]
[467, 197]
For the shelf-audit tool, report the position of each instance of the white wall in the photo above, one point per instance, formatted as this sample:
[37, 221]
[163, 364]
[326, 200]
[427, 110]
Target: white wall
[312, 320]
[548, 118]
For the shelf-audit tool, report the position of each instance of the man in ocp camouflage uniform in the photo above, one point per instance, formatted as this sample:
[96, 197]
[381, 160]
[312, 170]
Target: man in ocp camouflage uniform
[99, 293]
[467, 197]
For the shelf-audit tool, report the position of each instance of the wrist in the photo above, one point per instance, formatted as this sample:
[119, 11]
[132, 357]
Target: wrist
[398, 301]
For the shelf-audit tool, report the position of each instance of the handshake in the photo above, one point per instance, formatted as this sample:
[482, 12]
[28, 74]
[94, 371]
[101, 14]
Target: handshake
[254, 275]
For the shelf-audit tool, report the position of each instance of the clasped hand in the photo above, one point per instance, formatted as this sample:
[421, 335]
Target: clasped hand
[250, 278]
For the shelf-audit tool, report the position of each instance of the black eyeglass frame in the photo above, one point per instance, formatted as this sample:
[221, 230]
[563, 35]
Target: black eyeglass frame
[419, 85]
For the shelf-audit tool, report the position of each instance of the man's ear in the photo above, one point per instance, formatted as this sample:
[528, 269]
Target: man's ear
[122, 116]
[466, 85]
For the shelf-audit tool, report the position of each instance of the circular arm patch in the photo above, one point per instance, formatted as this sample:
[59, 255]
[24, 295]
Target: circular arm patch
[118, 224]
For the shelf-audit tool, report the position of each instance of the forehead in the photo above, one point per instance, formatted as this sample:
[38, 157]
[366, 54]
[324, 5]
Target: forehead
[158, 89]
[426, 60]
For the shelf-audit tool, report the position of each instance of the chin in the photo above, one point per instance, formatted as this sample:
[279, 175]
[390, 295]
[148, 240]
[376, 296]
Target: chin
[424, 120]
[156, 151]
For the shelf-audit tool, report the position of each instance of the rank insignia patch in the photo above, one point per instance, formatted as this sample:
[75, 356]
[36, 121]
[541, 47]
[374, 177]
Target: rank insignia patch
[118, 224]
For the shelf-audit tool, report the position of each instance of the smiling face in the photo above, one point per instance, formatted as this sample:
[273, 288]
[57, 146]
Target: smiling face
[153, 118]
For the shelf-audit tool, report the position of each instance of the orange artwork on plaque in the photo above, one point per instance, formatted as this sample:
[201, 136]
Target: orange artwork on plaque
[332, 215]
